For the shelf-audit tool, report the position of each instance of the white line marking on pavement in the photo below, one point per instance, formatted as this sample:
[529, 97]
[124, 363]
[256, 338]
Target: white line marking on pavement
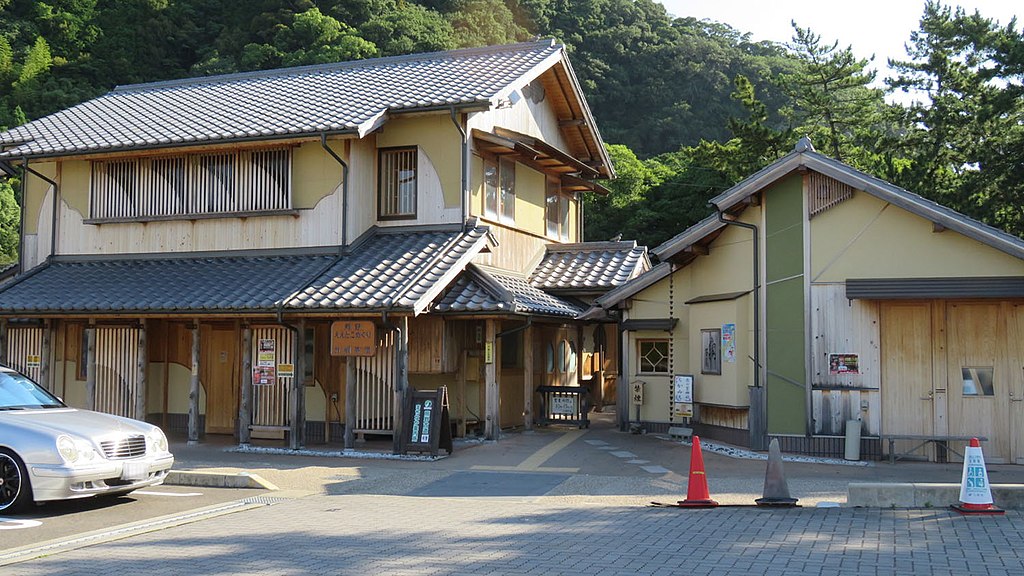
[656, 469]
[13, 524]
[607, 448]
[596, 442]
[637, 461]
[177, 494]
[623, 454]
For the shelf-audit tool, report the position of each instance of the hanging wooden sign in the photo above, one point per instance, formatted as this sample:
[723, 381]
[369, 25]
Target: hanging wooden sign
[353, 338]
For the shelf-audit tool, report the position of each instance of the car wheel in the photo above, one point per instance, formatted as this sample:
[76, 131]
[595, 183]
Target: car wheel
[15, 487]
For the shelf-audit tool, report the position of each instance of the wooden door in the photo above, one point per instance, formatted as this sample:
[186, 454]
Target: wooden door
[219, 374]
[1015, 367]
[978, 379]
[907, 389]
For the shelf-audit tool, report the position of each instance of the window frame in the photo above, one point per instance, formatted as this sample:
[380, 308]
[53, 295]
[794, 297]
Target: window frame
[641, 360]
[499, 195]
[381, 153]
[556, 203]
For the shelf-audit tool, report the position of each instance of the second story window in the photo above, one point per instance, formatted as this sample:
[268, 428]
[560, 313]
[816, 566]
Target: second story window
[556, 212]
[396, 182]
[189, 185]
[500, 189]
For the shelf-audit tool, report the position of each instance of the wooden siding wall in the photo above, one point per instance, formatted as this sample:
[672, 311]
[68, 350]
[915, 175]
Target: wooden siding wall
[518, 251]
[427, 345]
[329, 372]
[270, 402]
[723, 416]
[23, 342]
[117, 356]
[841, 326]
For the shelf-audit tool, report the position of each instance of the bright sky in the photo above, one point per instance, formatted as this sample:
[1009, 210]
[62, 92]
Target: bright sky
[879, 27]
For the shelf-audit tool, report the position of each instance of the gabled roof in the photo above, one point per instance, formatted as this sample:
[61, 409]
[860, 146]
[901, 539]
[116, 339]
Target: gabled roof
[480, 290]
[589, 267]
[389, 270]
[393, 270]
[348, 97]
[685, 246]
[804, 156]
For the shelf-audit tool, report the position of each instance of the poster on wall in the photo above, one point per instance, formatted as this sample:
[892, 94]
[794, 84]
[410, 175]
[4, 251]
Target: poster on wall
[843, 364]
[729, 342]
[711, 351]
[682, 396]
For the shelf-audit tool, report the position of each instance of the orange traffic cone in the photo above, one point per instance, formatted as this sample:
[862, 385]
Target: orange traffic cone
[697, 495]
[975, 493]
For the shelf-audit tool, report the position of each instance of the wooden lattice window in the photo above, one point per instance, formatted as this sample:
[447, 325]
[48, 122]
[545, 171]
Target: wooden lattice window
[238, 181]
[825, 192]
[396, 183]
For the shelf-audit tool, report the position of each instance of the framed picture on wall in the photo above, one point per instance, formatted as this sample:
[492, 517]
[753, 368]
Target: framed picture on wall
[711, 351]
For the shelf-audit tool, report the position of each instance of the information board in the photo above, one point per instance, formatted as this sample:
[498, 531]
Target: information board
[427, 423]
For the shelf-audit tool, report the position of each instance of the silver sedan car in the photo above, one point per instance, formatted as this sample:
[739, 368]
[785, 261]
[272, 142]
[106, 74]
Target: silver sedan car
[49, 451]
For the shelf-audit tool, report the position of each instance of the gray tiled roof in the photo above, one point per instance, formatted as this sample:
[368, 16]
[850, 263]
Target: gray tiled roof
[477, 290]
[388, 270]
[160, 285]
[589, 266]
[392, 270]
[342, 97]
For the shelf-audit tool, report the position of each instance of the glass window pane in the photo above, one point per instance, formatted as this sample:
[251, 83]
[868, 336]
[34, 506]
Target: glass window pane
[490, 188]
[508, 189]
[977, 381]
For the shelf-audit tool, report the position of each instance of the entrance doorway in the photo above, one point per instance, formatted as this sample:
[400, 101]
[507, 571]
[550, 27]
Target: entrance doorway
[219, 374]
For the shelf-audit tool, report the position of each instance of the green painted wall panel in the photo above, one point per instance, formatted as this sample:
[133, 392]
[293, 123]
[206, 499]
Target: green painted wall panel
[785, 307]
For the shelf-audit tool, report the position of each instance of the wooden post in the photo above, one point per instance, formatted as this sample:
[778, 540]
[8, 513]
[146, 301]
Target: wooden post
[245, 406]
[46, 357]
[528, 377]
[491, 399]
[167, 372]
[463, 401]
[193, 393]
[143, 363]
[401, 381]
[350, 402]
[3, 342]
[297, 436]
[90, 367]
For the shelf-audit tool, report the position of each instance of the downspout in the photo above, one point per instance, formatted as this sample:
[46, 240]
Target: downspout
[465, 166]
[757, 316]
[344, 188]
[510, 331]
[53, 215]
[21, 214]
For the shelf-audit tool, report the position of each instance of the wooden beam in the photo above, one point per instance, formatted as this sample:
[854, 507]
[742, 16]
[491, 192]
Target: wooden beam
[245, 406]
[142, 362]
[90, 367]
[3, 342]
[401, 381]
[298, 403]
[697, 249]
[46, 357]
[193, 391]
[572, 122]
[492, 427]
[528, 347]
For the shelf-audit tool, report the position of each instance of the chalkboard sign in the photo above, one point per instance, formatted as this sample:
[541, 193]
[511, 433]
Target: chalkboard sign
[427, 423]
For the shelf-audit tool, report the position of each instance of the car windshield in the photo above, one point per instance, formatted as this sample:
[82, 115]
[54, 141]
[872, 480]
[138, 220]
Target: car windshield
[19, 393]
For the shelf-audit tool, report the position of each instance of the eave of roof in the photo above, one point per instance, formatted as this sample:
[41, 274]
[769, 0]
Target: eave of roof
[807, 158]
[150, 116]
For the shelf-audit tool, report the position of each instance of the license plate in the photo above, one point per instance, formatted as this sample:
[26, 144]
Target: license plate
[134, 470]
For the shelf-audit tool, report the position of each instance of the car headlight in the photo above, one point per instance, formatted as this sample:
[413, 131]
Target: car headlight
[158, 440]
[74, 450]
[67, 448]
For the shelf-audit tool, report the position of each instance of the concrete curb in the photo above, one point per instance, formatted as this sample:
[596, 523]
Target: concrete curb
[218, 480]
[926, 495]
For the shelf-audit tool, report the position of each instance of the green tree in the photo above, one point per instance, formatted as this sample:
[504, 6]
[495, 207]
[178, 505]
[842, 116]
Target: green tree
[484, 22]
[10, 216]
[830, 91]
[964, 141]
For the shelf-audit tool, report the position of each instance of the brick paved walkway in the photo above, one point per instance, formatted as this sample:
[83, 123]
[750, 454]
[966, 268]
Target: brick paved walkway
[377, 534]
